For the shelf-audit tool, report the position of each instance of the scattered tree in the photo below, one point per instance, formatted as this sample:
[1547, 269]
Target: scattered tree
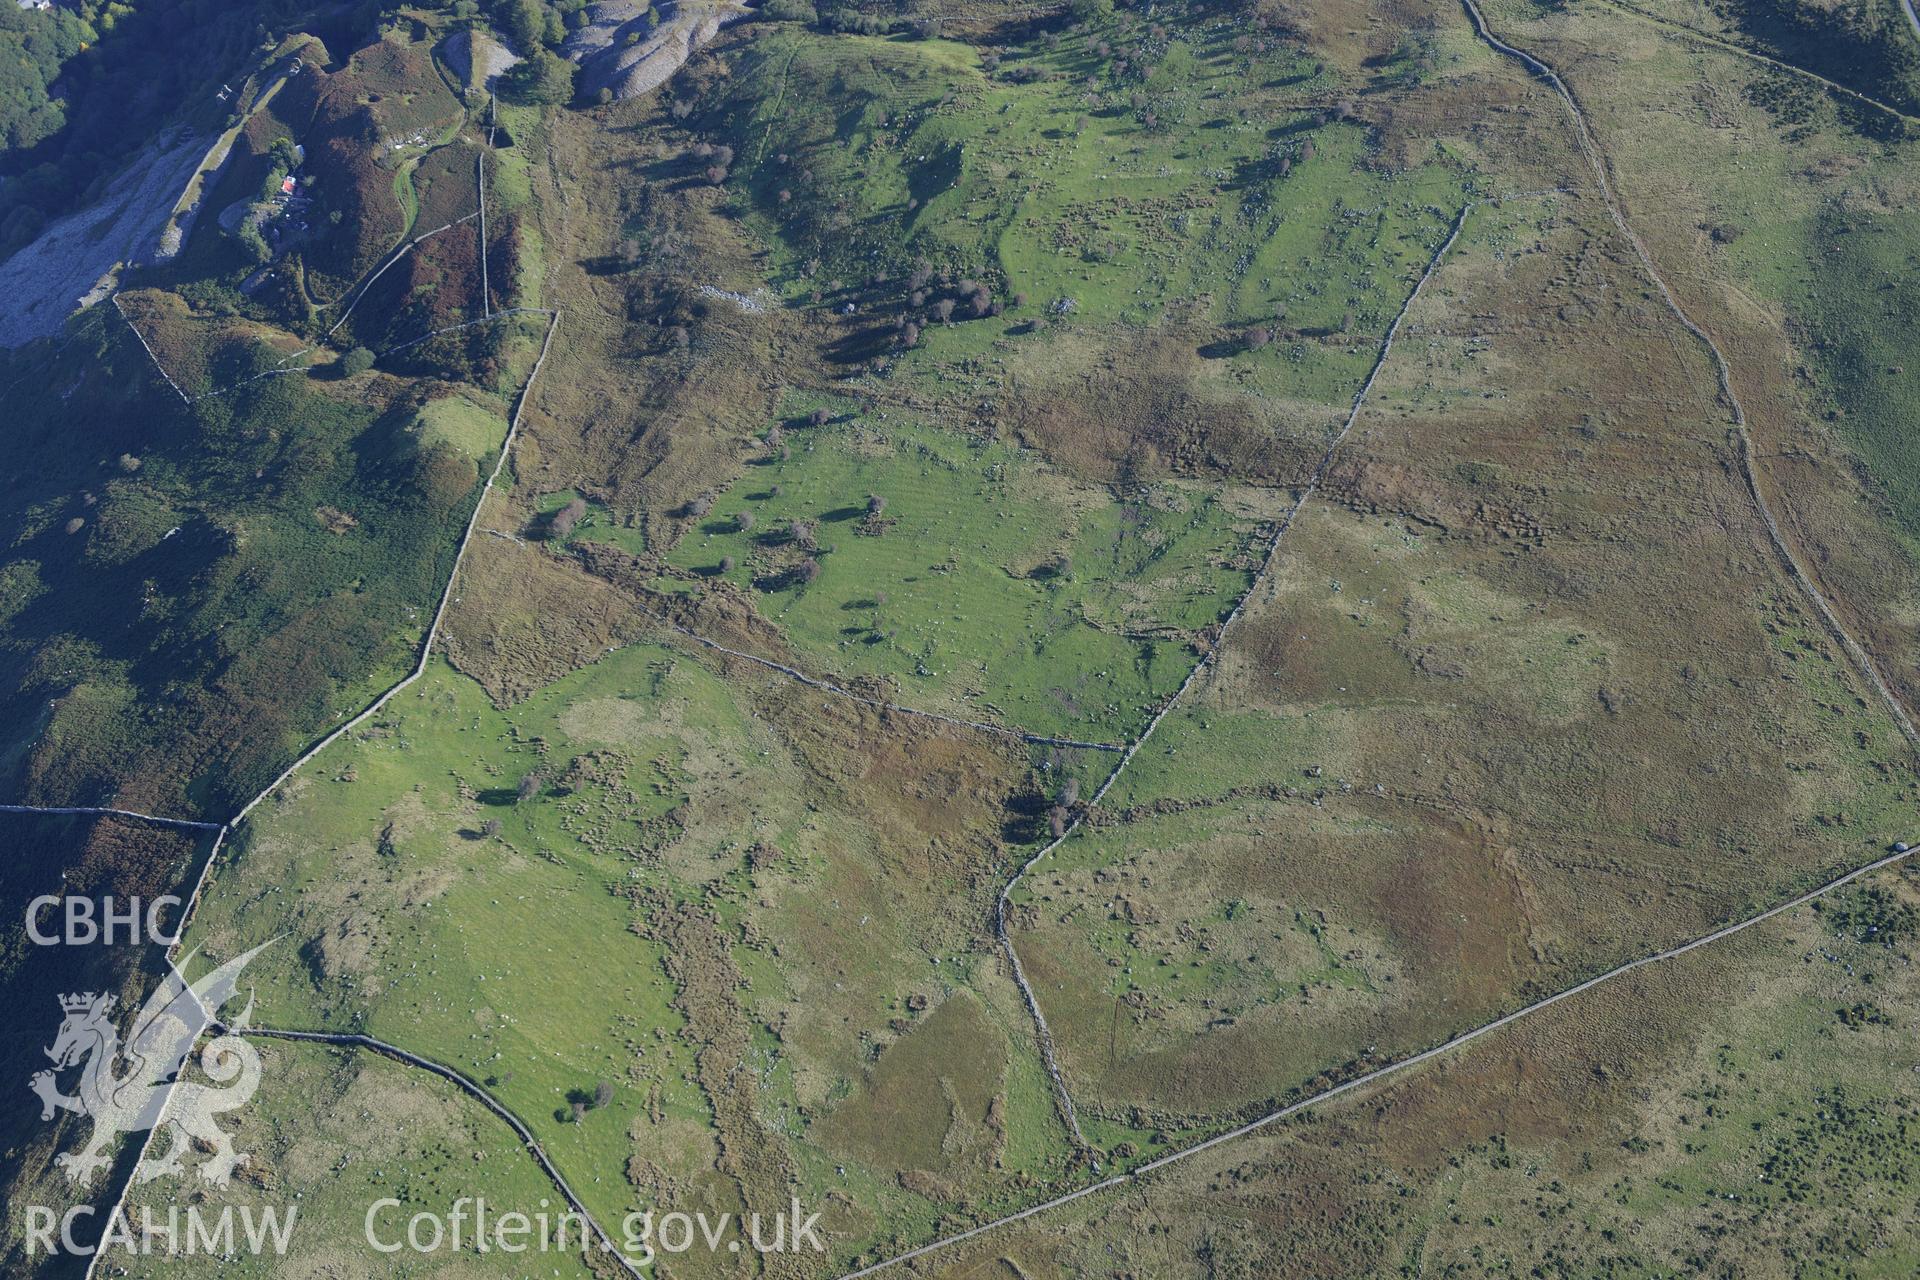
[562, 522]
[543, 78]
[602, 1094]
[356, 362]
[744, 521]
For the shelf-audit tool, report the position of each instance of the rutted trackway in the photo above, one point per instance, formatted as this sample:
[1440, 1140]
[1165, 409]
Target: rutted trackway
[1590, 149]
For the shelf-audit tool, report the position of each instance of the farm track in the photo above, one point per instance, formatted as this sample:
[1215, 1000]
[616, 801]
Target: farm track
[465, 1084]
[1686, 32]
[1856, 653]
[354, 295]
[1062, 1095]
[1596, 160]
[1381, 1073]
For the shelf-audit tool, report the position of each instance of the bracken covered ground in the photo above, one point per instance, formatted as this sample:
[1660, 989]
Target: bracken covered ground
[972, 367]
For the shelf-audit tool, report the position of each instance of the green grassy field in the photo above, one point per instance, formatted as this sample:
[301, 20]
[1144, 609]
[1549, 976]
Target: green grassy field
[987, 580]
[1079, 189]
[506, 951]
[333, 1132]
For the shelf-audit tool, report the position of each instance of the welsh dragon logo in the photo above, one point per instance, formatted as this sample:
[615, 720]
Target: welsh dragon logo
[136, 1086]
